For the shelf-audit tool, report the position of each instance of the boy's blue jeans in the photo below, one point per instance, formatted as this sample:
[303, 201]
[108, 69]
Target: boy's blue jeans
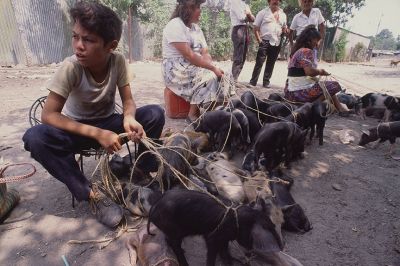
[55, 149]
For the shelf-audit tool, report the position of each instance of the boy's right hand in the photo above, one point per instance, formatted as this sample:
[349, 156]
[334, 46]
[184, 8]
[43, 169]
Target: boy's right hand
[109, 141]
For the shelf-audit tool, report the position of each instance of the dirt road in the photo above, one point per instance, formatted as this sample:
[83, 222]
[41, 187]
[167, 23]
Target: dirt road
[350, 194]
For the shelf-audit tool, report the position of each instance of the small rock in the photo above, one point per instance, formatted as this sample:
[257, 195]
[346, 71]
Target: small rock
[43, 254]
[337, 187]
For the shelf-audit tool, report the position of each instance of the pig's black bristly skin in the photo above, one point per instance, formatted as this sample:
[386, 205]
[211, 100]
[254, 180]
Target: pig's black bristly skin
[218, 124]
[181, 213]
[385, 131]
[295, 219]
[278, 142]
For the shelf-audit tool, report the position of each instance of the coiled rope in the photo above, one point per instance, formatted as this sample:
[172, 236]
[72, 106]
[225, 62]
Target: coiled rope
[9, 179]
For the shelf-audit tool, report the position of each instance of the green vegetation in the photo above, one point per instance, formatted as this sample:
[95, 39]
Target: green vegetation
[384, 40]
[215, 22]
[358, 52]
[340, 45]
[216, 27]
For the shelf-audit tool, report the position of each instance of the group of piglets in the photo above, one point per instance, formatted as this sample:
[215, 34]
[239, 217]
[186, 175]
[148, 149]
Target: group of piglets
[250, 209]
[269, 131]
[212, 197]
[382, 106]
[377, 105]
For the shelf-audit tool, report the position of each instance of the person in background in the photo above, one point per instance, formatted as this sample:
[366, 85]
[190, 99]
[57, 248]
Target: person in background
[241, 15]
[309, 15]
[269, 26]
[187, 67]
[79, 112]
[301, 85]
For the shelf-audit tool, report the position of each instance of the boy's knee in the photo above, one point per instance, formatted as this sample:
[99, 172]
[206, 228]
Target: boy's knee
[32, 137]
[158, 114]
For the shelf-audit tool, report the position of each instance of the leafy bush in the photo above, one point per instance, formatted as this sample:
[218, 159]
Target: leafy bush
[216, 27]
[358, 52]
[340, 47]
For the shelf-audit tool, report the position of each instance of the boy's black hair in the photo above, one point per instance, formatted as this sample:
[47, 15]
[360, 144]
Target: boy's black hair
[99, 19]
[306, 36]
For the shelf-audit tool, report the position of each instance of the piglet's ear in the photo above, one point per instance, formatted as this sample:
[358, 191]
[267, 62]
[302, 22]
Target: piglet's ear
[365, 132]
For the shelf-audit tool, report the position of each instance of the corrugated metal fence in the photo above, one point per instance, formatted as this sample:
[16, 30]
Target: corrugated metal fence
[34, 32]
[11, 49]
[37, 32]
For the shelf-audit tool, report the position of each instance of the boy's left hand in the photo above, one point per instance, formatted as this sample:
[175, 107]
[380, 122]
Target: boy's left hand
[133, 128]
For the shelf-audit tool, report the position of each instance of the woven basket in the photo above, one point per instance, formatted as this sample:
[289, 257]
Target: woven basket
[10, 198]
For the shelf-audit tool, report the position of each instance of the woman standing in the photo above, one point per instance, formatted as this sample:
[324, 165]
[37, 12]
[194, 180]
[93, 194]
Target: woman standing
[187, 67]
[301, 85]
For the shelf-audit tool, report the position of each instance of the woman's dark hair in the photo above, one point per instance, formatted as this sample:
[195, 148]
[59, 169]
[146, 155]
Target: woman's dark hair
[306, 36]
[185, 8]
[98, 19]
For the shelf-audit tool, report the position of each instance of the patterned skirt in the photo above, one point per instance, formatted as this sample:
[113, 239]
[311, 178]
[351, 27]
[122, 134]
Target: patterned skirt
[313, 93]
[195, 84]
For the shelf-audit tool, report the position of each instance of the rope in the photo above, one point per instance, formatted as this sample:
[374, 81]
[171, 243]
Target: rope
[330, 105]
[224, 216]
[122, 229]
[109, 179]
[231, 84]
[18, 177]
[257, 110]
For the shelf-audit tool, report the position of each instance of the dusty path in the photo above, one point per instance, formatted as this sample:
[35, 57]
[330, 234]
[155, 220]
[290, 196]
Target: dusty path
[356, 225]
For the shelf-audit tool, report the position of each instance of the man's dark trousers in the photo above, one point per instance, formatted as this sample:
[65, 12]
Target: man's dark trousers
[240, 39]
[55, 149]
[269, 52]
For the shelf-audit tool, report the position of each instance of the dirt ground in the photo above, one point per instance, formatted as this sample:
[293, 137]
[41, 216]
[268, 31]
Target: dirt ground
[350, 193]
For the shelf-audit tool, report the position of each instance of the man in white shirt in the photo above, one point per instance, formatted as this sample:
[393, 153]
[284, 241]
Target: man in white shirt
[308, 16]
[240, 14]
[269, 25]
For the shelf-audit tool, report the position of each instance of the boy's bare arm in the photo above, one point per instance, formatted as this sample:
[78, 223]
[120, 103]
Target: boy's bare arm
[132, 127]
[52, 115]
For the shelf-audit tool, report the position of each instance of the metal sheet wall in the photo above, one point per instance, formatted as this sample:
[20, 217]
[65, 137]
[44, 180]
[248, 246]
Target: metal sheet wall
[36, 32]
[40, 28]
[11, 48]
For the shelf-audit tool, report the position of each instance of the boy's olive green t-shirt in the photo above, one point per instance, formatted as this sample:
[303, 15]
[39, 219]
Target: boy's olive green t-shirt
[86, 98]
